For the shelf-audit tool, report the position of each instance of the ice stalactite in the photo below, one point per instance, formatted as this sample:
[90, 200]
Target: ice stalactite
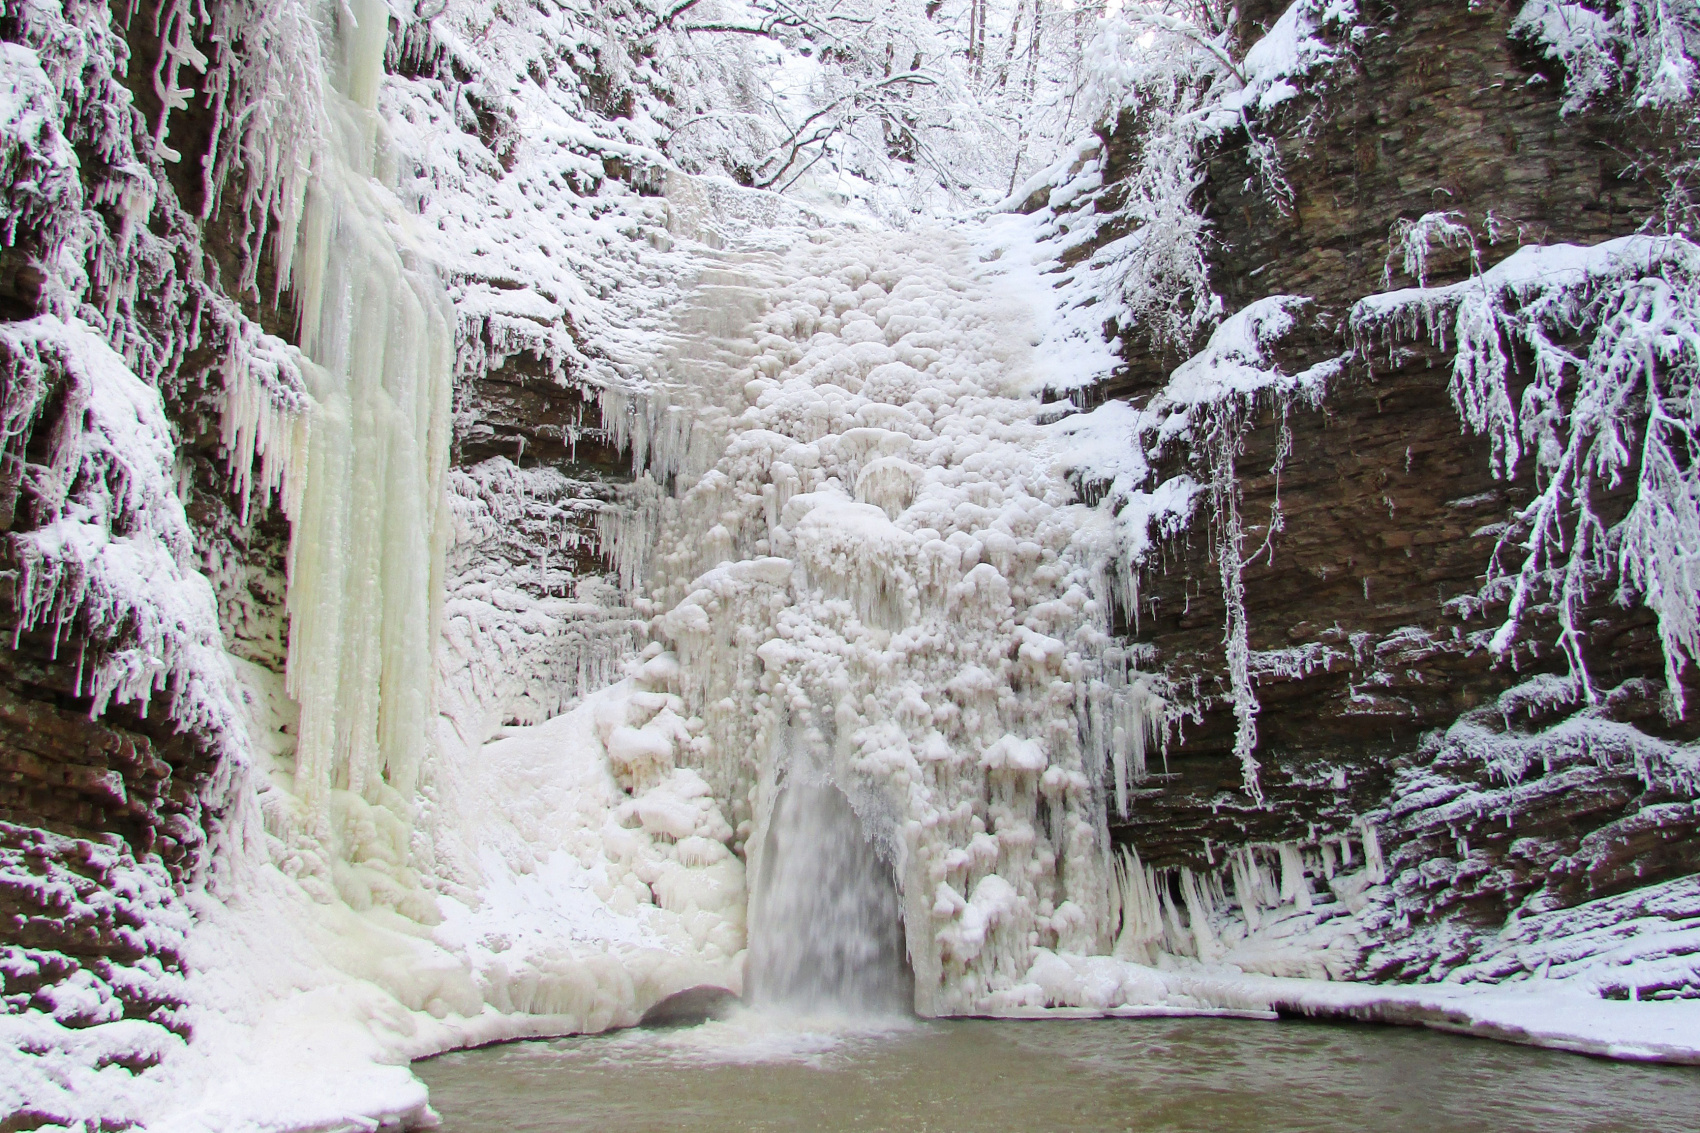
[527, 629]
[265, 415]
[1280, 909]
[367, 544]
[1230, 539]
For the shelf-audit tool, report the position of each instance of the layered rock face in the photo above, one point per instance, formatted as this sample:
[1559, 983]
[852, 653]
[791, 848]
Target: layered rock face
[1379, 697]
[108, 805]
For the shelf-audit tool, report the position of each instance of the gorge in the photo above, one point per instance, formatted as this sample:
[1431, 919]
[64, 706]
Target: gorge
[514, 511]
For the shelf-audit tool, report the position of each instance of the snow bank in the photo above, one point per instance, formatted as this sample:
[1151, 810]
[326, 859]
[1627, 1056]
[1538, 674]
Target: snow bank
[555, 902]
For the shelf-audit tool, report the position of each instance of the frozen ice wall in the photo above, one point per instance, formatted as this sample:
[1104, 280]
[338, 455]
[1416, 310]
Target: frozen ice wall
[881, 550]
[367, 541]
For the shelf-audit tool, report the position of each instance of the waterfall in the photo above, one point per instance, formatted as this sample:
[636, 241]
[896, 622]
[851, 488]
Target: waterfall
[826, 919]
[886, 554]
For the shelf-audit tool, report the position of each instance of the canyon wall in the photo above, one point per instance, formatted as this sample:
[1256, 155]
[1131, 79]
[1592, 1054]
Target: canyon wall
[1379, 699]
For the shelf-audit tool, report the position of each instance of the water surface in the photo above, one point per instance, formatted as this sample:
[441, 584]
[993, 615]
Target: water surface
[768, 1072]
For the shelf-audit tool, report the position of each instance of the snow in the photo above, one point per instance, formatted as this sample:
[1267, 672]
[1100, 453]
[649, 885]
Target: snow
[574, 915]
[1286, 54]
[493, 797]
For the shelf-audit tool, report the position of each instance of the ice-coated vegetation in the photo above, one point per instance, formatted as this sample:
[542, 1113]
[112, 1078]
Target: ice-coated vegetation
[1620, 406]
[1641, 52]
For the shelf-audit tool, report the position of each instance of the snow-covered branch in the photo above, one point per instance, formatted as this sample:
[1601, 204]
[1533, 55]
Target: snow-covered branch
[1587, 360]
[1644, 51]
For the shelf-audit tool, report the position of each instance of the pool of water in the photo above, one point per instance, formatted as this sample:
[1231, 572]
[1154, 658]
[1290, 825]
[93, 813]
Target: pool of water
[769, 1072]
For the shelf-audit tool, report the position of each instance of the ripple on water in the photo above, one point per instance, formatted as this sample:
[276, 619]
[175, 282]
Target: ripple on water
[767, 1071]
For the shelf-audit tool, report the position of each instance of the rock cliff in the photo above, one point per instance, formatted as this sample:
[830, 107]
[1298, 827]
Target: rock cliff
[1379, 698]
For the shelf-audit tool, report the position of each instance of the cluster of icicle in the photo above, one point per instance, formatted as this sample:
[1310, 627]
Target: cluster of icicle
[371, 524]
[527, 632]
[886, 569]
[1204, 410]
[1281, 909]
[363, 403]
[109, 551]
[111, 555]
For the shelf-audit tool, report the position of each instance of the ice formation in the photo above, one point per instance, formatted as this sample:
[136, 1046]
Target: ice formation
[112, 544]
[859, 615]
[367, 543]
[890, 567]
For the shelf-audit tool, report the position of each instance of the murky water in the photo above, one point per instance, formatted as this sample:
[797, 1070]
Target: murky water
[1218, 1075]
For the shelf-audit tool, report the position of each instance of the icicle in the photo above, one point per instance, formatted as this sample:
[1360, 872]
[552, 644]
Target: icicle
[1141, 912]
[1372, 853]
[1177, 934]
[366, 549]
[1295, 886]
[1244, 872]
[1199, 911]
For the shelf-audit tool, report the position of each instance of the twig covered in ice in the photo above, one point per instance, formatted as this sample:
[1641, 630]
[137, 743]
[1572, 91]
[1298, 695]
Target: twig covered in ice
[1588, 361]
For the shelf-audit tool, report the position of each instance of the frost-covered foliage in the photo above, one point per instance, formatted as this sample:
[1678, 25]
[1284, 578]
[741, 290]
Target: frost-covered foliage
[1586, 361]
[895, 106]
[37, 165]
[1165, 88]
[1412, 242]
[107, 553]
[1164, 285]
[260, 77]
[903, 105]
[113, 247]
[1641, 51]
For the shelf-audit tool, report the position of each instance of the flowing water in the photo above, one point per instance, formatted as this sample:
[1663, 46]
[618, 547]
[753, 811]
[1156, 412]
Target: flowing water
[768, 1072]
[826, 922]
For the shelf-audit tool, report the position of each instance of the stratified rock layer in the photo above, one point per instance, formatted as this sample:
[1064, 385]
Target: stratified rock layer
[1361, 657]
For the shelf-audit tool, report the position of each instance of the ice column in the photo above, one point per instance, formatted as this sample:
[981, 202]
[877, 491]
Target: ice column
[366, 554]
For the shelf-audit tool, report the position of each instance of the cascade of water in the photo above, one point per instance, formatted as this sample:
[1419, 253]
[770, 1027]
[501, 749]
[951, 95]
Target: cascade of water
[826, 928]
